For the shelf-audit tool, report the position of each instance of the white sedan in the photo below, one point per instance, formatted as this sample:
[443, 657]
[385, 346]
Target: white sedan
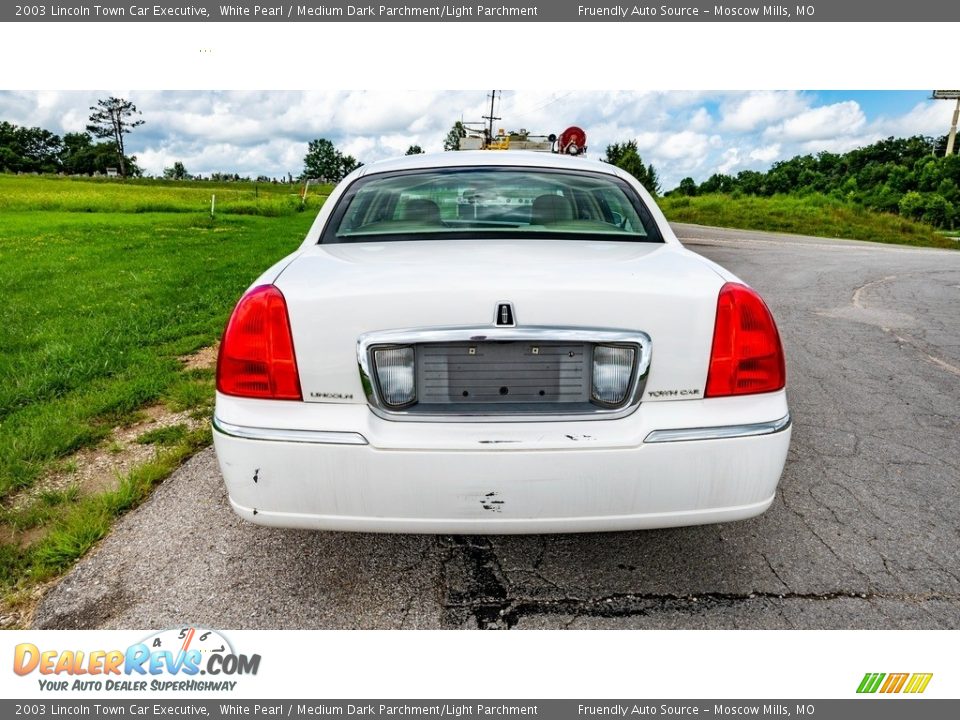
[498, 342]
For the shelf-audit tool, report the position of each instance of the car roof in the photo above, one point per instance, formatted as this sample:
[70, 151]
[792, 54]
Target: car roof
[488, 158]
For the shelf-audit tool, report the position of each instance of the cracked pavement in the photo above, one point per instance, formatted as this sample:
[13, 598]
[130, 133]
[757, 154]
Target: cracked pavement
[864, 533]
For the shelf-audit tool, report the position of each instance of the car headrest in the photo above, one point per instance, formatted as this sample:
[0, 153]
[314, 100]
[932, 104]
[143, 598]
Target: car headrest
[424, 211]
[548, 209]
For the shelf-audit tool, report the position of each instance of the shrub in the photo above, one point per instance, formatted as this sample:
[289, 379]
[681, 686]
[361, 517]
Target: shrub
[937, 211]
[911, 205]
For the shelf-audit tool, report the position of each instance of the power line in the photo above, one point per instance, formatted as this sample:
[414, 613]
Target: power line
[546, 104]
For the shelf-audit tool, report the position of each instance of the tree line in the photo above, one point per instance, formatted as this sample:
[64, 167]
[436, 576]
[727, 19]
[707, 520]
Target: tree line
[905, 176]
[36, 150]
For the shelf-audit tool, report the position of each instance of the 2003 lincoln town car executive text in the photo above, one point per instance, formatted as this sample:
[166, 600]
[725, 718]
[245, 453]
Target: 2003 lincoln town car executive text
[498, 342]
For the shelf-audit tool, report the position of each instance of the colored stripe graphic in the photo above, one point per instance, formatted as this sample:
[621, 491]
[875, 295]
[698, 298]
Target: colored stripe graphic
[870, 682]
[894, 682]
[918, 682]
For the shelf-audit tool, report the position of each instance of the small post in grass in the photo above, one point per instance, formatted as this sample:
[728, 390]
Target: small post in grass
[213, 204]
[303, 193]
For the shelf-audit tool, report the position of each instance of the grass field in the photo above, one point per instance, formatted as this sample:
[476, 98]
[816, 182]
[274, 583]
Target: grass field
[97, 195]
[809, 215]
[103, 295]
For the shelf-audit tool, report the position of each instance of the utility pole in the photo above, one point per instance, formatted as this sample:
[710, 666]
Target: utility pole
[491, 117]
[950, 95]
[953, 128]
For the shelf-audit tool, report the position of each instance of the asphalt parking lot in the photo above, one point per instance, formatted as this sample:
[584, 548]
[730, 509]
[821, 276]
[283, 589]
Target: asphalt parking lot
[864, 533]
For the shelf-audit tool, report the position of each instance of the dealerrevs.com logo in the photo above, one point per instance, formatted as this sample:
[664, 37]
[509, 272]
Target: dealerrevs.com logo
[169, 660]
[889, 683]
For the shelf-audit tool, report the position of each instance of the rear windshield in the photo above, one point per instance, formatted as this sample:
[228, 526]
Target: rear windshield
[477, 203]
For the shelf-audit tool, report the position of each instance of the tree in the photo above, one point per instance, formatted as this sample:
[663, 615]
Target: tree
[452, 141]
[905, 175]
[911, 205]
[414, 150]
[41, 149]
[324, 162]
[687, 186]
[29, 149]
[718, 183]
[626, 157]
[177, 172]
[80, 156]
[937, 211]
[77, 154]
[111, 119]
[750, 182]
[348, 163]
[653, 180]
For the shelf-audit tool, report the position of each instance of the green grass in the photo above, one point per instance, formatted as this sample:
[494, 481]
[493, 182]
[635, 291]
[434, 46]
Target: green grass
[102, 295]
[170, 435]
[108, 195]
[808, 215]
[48, 505]
[98, 307]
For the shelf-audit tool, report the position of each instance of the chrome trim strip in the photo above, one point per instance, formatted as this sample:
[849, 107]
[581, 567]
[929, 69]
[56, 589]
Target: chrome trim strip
[411, 336]
[720, 432]
[322, 437]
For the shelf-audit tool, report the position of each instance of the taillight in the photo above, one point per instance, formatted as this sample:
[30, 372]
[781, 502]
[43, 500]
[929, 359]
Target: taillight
[256, 354]
[747, 356]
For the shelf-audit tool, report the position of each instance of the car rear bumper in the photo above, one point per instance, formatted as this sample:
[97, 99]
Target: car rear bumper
[528, 478]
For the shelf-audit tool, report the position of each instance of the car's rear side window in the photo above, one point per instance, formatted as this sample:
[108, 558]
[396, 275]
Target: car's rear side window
[475, 202]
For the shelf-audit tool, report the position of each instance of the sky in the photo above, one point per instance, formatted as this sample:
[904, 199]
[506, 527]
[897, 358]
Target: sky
[683, 134]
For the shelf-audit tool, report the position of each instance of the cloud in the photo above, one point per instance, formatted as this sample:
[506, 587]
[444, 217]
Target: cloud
[926, 118]
[700, 120]
[766, 154]
[825, 122]
[730, 160]
[683, 145]
[745, 113]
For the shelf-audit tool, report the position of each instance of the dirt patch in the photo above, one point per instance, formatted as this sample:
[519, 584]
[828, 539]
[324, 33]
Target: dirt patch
[99, 469]
[18, 612]
[203, 359]
[20, 538]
